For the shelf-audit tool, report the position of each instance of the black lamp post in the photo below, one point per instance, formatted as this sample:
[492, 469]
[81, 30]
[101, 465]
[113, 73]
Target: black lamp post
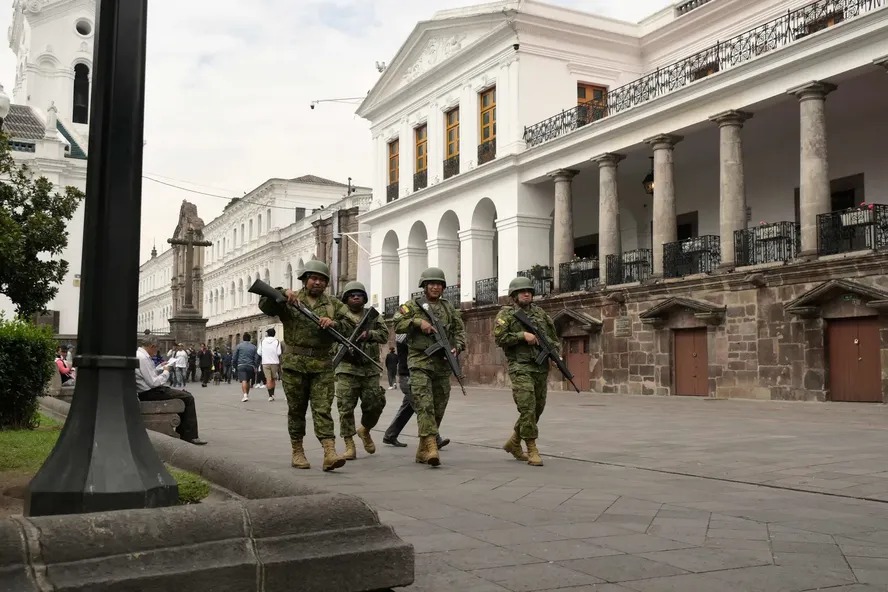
[104, 459]
[648, 182]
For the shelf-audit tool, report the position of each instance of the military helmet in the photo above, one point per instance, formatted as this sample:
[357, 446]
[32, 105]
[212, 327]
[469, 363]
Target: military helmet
[354, 287]
[315, 266]
[521, 283]
[432, 274]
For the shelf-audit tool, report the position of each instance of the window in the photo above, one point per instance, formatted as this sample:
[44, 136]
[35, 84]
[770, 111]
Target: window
[259, 225]
[267, 219]
[234, 238]
[421, 138]
[393, 170]
[243, 235]
[81, 94]
[451, 133]
[591, 93]
[251, 230]
[488, 115]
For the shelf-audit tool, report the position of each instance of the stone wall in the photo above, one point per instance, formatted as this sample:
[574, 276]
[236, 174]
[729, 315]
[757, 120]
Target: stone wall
[765, 329]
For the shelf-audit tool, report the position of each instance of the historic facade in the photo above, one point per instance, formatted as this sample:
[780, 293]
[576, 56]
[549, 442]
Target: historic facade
[48, 121]
[697, 195]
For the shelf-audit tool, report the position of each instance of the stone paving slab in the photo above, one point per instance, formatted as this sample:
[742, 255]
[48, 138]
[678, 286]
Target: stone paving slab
[637, 493]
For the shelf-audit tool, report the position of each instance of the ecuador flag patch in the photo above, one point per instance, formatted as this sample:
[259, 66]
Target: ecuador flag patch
[404, 309]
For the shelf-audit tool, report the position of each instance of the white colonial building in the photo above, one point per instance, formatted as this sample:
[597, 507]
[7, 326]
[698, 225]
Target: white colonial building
[155, 295]
[714, 139]
[48, 121]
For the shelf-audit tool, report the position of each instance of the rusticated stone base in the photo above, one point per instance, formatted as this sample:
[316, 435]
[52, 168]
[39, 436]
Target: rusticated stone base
[190, 331]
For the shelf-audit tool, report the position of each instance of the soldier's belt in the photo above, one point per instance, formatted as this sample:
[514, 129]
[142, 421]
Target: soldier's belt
[310, 352]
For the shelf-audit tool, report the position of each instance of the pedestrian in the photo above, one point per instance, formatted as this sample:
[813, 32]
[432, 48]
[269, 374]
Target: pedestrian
[205, 362]
[271, 361]
[192, 365]
[430, 375]
[391, 365]
[181, 365]
[405, 411]
[528, 378]
[306, 365]
[244, 361]
[356, 378]
[226, 366]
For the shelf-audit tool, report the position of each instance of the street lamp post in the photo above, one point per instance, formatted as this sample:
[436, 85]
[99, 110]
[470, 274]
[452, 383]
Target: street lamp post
[103, 459]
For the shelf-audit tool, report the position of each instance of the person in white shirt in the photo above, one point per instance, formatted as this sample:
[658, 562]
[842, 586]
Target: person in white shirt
[181, 357]
[151, 386]
[270, 353]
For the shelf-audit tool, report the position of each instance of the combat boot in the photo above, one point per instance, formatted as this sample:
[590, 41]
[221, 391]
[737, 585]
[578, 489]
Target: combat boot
[513, 447]
[350, 452]
[331, 459]
[364, 435]
[427, 453]
[299, 461]
[533, 455]
[421, 451]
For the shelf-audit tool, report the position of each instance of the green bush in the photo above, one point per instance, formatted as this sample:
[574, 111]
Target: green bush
[26, 355]
[192, 488]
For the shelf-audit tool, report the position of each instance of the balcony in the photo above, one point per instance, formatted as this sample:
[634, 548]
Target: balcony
[415, 295]
[420, 180]
[737, 50]
[487, 291]
[451, 166]
[686, 7]
[390, 306]
[542, 277]
[767, 243]
[856, 229]
[452, 294]
[486, 151]
[577, 275]
[391, 192]
[700, 254]
[630, 267]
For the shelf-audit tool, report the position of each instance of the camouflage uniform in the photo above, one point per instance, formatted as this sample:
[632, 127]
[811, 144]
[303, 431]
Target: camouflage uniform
[429, 376]
[356, 378]
[528, 378]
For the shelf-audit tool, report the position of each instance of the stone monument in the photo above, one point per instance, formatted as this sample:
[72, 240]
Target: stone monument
[187, 324]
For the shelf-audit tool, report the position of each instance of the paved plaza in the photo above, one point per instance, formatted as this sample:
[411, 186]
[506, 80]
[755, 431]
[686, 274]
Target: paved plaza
[637, 494]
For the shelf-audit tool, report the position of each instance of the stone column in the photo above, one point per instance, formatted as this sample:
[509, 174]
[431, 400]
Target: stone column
[563, 223]
[476, 259]
[413, 260]
[609, 239]
[665, 230]
[732, 187]
[444, 253]
[814, 193]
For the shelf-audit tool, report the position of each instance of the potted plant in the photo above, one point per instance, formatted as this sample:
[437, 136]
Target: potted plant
[862, 214]
[768, 231]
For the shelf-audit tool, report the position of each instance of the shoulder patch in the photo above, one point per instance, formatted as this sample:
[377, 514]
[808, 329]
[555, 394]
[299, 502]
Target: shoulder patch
[405, 309]
[501, 321]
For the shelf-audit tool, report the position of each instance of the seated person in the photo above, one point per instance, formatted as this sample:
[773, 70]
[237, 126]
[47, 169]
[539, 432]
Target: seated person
[151, 386]
[65, 370]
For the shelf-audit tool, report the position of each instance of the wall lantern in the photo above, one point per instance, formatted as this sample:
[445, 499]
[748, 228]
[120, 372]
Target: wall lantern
[648, 182]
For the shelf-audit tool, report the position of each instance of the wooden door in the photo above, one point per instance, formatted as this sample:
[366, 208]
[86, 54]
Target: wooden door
[691, 362]
[576, 356]
[855, 369]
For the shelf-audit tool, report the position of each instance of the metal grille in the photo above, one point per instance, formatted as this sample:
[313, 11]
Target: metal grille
[486, 151]
[486, 291]
[686, 7]
[742, 48]
[415, 295]
[391, 306]
[766, 243]
[574, 276]
[854, 229]
[452, 294]
[700, 254]
[541, 276]
[420, 180]
[391, 192]
[451, 166]
[631, 266]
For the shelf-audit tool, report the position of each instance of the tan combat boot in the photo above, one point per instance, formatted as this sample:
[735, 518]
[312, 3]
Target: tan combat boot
[299, 461]
[331, 459]
[431, 451]
[513, 447]
[421, 451]
[350, 452]
[364, 435]
[533, 455]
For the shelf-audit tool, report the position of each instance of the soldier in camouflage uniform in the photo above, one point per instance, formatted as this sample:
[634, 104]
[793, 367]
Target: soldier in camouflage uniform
[528, 378]
[429, 375]
[356, 378]
[306, 364]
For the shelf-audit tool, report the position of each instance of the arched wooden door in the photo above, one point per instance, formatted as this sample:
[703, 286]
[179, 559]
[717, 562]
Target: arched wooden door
[855, 369]
[691, 362]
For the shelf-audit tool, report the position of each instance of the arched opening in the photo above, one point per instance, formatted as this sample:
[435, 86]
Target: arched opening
[444, 253]
[267, 278]
[299, 267]
[80, 113]
[289, 278]
[482, 252]
[391, 276]
[417, 253]
[240, 292]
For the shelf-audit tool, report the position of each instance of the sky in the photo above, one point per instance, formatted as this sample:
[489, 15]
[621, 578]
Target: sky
[229, 83]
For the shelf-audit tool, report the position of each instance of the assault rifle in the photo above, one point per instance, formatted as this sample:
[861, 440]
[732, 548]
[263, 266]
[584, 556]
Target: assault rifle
[546, 349]
[442, 344]
[262, 289]
[370, 316]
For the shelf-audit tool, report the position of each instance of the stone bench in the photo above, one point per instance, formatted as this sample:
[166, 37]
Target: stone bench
[158, 416]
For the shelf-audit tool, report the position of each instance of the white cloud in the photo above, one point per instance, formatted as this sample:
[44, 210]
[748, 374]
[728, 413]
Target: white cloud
[229, 85]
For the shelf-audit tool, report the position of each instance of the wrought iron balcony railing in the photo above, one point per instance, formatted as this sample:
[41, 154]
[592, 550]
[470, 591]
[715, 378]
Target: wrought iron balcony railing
[452, 294]
[766, 243]
[855, 229]
[391, 192]
[630, 267]
[390, 306]
[742, 48]
[581, 274]
[487, 291]
[415, 295]
[700, 254]
[451, 166]
[542, 277]
[486, 151]
[420, 180]
[686, 7]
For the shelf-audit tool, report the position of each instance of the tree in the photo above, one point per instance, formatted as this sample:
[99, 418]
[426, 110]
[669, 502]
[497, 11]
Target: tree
[33, 233]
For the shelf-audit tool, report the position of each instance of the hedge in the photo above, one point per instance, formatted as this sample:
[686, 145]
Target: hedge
[26, 366]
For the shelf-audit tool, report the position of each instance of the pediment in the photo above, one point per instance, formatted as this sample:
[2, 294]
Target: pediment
[569, 318]
[811, 302]
[705, 311]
